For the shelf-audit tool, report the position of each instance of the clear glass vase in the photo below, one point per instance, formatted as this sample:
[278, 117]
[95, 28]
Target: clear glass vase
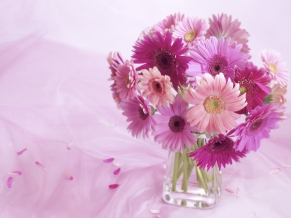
[185, 184]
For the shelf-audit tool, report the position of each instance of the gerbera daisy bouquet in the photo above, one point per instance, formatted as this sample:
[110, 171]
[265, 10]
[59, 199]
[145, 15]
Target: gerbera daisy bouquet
[192, 86]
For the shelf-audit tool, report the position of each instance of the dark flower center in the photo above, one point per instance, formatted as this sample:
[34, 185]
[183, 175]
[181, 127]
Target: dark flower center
[164, 60]
[157, 86]
[217, 64]
[220, 144]
[257, 124]
[142, 114]
[176, 123]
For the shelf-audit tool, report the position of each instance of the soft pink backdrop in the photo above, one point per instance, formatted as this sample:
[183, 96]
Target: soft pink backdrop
[54, 90]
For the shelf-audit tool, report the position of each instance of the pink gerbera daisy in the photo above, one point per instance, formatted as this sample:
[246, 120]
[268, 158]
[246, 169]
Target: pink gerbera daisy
[275, 67]
[156, 87]
[169, 23]
[277, 95]
[125, 80]
[214, 56]
[223, 26]
[215, 101]
[218, 150]
[172, 130]
[253, 82]
[190, 30]
[138, 113]
[168, 57]
[257, 126]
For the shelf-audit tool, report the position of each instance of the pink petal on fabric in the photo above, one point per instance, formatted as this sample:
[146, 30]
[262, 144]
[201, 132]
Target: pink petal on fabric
[70, 144]
[23, 150]
[237, 191]
[276, 170]
[107, 123]
[10, 182]
[116, 171]
[113, 186]
[229, 190]
[70, 177]
[117, 164]
[15, 173]
[154, 211]
[285, 165]
[109, 160]
[40, 165]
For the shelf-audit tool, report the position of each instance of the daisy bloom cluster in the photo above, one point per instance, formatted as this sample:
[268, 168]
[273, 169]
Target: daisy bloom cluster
[189, 77]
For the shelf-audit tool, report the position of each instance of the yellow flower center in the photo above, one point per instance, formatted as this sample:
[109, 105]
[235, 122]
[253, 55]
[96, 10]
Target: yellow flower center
[273, 68]
[190, 35]
[242, 90]
[213, 104]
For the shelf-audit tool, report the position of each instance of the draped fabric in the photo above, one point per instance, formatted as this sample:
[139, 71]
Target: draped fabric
[58, 119]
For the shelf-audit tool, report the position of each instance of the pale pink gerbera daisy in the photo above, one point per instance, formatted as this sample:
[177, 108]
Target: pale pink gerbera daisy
[168, 57]
[214, 56]
[222, 26]
[277, 95]
[114, 59]
[218, 150]
[172, 130]
[138, 113]
[254, 82]
[190, 30]
[156, 87]
[169, 23]
[275, 67]
[257, 126]
[215, 101]
[125, 80]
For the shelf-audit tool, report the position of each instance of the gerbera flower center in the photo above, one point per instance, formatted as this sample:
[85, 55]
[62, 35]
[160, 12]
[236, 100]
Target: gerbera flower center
[142, 114]
[217, 64]
[190, 35]
[220, 144]
[213, 104]
[164, 60]
[257, 124]
[157, 87]
[247, 86]
[176, 123]
[242, 90]
[273, 68]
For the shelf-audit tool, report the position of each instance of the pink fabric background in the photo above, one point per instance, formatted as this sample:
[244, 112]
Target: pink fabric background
[54, 90]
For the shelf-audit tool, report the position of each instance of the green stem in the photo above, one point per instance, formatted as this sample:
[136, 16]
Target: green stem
[175, 170]
[185, 171]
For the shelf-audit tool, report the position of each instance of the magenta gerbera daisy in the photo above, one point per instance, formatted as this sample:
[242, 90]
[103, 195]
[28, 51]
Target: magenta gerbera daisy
[156, 87]
[125, 80]
[222, 26]
[168, 57]
[257, 126]
[169, 23]
[172, 130]
[190, 30]
[275, 67]
[138, 113]
[218, 150]
[253, 82]
[215, 56]
[215, 101]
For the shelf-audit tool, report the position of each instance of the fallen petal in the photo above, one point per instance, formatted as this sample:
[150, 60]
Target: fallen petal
[107, 123]
[109, 160]
[68, 176]
[116, 171]
[40, 165]
[285, 165]
[237, 191]
[229, 190]
[15, 173]
[117, 164]
[23, 150]
[113, 186]
[70, 144]
[276, 170]
[10, 182]
[154, 211]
